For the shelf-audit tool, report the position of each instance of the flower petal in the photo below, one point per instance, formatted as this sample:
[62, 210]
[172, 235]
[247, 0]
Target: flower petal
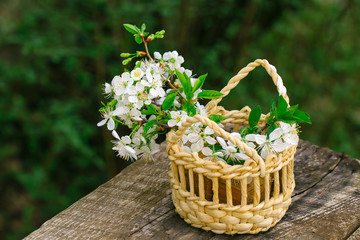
[276, 134]
[207, 151]
[157, 55]
[126, 139]
[221, 141]
[101, 123]
[114, 133]
[111, 124]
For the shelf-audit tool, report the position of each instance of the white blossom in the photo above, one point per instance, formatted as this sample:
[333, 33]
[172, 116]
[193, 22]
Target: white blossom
[108, 118]
[271, 144]
[123, 148]
[230, 150]
[107, 88]
[121, 85]
[157, 55]
[174, 60]
[137, 74]
[290, 133]
[147, 153]
[211, 155]
[177, 117]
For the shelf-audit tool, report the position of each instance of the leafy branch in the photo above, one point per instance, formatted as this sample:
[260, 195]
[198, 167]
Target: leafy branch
[281, 112]
[139, 36]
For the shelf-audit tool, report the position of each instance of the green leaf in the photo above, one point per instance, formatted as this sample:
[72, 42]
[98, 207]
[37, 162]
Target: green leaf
[186, 84]
[286, 116]
[282, 105]
[254, 117]
[138, 39]
[302, 116]
[143, 27]
[151, 108]
[145, 112]
[138, 65]
[190, 109]
[292, 109]
[131, 28]
[149, 125]
[169, 101]
[210, 94]
[199, 82]
[216, 118]
[273, 107]
[112, 103]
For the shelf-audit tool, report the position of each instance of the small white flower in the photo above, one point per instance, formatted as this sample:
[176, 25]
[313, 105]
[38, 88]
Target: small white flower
[121, 85]
[231, 151]
[201, 110]
[271, 144]
[137, 74]
[123, 148]
[107, 88]
[108, 118]
[177, 117]
[290, 133]
[210, 155]
[157, 55]
[126, 75]
[174, 60]
[121, 110]
[188, 73]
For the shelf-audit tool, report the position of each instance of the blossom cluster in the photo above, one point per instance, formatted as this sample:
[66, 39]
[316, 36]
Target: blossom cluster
[200, 138]
[133, 92]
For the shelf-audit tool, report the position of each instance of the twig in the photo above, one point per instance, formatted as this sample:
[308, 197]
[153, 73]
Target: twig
[172, 86]
[265, 127]
[146, 48]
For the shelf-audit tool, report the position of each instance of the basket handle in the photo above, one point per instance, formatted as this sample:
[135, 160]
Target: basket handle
[221, 132]
[233, 82]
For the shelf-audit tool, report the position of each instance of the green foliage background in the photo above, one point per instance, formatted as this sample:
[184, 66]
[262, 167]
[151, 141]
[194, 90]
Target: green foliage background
[55, 55]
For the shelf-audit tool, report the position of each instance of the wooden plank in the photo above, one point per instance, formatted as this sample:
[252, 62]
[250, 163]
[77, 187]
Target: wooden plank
[355, 235]
[136, 204]
[126, 203]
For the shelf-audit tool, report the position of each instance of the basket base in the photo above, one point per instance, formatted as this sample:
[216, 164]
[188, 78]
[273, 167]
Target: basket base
[216, 218]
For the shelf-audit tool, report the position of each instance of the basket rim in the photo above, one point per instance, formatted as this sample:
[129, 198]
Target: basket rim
[253, 164]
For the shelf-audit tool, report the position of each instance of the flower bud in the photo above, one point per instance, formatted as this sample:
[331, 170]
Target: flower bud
[150, 38]
[160, 34]
[126, 61]
[140, 53]
[125, 55]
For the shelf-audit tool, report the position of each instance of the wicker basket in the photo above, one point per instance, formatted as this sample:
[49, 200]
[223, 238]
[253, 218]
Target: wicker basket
[228, 199]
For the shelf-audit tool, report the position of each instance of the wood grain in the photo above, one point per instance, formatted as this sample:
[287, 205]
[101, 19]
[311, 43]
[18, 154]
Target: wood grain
[136, 204]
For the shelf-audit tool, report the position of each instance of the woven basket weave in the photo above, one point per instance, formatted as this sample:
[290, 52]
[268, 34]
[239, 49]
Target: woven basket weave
[228, 199]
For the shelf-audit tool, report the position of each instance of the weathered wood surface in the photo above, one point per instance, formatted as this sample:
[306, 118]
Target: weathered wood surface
[136, 204]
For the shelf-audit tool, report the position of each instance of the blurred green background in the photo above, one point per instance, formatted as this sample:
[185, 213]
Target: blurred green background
[56, 54]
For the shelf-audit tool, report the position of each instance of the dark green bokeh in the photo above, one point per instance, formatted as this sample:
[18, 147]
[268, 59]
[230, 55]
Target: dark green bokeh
[55, 55]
